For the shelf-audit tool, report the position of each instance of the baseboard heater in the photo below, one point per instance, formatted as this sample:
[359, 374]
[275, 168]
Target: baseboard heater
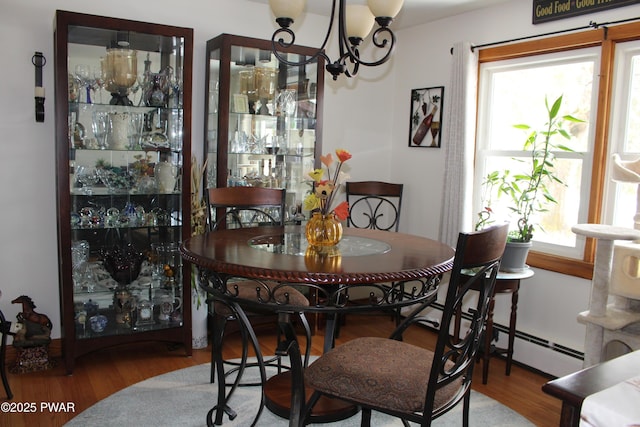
[526, 337]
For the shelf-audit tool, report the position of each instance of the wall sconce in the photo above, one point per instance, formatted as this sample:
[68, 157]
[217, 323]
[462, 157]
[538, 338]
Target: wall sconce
[354, 24]
[38, 60]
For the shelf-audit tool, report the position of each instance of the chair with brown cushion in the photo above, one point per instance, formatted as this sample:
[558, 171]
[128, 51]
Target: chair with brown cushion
[405, 380]
[238, 207]
[374, 204]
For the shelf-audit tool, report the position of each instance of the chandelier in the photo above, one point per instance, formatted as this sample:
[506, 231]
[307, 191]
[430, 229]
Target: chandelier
[354, 25]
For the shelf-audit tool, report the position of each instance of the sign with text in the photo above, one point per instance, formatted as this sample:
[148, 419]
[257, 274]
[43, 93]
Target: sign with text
[551, 10]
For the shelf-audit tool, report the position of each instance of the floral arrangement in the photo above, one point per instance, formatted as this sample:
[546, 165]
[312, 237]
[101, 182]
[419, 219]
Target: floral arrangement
[323, 193]
[198, 217]
[198, 204]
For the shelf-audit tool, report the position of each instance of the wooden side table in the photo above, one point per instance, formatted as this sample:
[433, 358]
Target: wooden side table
[506, 283]
[574, 388]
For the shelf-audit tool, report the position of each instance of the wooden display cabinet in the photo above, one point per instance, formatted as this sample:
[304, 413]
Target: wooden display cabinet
[263, 122]
[123, 144]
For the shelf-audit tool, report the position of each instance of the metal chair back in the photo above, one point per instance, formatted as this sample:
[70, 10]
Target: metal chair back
[374, 204]
[239, 207]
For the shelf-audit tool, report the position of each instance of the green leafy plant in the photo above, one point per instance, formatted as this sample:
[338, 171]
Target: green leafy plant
[528, 191]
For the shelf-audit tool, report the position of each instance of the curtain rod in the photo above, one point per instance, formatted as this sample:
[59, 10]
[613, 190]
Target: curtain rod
[592, 24]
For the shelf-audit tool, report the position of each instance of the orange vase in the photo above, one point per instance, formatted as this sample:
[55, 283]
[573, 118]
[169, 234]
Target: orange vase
[323, 230]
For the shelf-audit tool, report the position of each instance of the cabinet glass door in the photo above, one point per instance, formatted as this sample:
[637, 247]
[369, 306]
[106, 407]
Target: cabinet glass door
[123, 163]
[263, 120]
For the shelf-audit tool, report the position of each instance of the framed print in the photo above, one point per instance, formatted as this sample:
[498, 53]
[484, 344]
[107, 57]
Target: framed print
[240, 103]
[426, 117]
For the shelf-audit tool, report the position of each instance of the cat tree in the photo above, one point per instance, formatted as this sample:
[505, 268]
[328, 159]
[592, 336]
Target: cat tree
[614, 307]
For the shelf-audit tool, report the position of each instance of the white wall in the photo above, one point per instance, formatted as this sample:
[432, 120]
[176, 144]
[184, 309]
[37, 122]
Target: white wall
[368, 115]
[28, 221]
[549, 302]
[28, 260]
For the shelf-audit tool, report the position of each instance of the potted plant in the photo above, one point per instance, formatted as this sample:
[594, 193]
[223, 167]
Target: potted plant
[528, 191]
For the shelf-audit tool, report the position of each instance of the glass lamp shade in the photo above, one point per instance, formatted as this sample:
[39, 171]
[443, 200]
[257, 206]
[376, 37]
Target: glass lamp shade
[385, 8]
[359, 21]
[287, 8]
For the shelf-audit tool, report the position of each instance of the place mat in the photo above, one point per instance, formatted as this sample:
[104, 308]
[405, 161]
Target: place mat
[618, 405]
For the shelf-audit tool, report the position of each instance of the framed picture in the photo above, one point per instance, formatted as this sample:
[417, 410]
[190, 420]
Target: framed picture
[240, 103]
[426, 117]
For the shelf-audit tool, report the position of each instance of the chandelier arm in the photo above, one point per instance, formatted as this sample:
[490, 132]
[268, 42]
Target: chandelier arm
[380, 41]
[383, 38]
[278, 40]
[284, 60]
[356, 63]
[343, 41]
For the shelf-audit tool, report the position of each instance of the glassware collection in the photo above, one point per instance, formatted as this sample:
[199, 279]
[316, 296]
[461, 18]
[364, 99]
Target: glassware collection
[261, 121]
[121, 210]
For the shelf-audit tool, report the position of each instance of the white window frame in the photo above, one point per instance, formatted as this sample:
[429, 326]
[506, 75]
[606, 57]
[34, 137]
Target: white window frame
[487, 70]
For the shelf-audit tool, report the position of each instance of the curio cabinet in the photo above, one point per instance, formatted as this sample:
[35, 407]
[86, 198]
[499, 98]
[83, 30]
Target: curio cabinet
[123, 120]
[263, 124]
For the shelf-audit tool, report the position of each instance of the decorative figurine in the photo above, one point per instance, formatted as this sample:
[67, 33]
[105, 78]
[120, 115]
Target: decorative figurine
[32, 338]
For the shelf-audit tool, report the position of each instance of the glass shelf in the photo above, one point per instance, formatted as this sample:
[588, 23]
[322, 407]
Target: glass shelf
[262, 117]
[123, 91]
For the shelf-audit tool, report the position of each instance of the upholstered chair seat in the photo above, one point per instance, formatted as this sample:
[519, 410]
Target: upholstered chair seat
[365, 369]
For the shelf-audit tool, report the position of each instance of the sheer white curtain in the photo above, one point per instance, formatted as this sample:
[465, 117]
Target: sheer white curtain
[458, 140]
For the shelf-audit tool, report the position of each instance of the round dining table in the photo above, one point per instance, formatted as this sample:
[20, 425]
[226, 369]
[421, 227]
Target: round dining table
[393, 270]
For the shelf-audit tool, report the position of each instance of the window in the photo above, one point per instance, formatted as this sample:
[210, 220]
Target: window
[598, 74]
[621, 201]
[534, 81]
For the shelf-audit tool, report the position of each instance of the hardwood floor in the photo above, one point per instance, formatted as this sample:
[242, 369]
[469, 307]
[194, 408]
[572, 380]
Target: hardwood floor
[100, 374]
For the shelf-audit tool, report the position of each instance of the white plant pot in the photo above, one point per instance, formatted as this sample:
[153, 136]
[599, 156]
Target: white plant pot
[515, 255]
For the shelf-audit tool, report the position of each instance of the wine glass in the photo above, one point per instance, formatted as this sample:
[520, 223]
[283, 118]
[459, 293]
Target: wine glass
[88, 177]
[175, 80]
[98, 81]
[435, 128]
[83, 75]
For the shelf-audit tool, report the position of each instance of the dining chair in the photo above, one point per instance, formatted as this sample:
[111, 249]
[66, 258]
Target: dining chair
[374, 204]
[5, 328]
[409, 381]
[239, 207]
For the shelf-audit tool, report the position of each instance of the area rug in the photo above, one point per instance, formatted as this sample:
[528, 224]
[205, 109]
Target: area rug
[183, 398]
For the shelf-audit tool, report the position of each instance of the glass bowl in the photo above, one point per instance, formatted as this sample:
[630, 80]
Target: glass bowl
[117, 180]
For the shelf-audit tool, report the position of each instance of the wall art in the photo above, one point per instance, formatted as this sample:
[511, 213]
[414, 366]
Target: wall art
[426, 117]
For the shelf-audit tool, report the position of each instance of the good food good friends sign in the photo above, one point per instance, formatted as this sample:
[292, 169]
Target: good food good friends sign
[551, 10]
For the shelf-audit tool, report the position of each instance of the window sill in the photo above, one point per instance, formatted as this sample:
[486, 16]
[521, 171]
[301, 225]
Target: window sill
[570, 266]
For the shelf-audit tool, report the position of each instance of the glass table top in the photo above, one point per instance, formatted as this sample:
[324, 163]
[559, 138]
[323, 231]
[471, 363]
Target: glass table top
[293, 243]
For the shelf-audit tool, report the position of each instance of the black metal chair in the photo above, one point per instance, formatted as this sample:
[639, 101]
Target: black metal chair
[239, 207]
[374, 204]
[5, 328]
[408, 381]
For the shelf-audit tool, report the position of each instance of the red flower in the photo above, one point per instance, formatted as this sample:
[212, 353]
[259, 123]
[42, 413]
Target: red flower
[343, 155]
[342, 211]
